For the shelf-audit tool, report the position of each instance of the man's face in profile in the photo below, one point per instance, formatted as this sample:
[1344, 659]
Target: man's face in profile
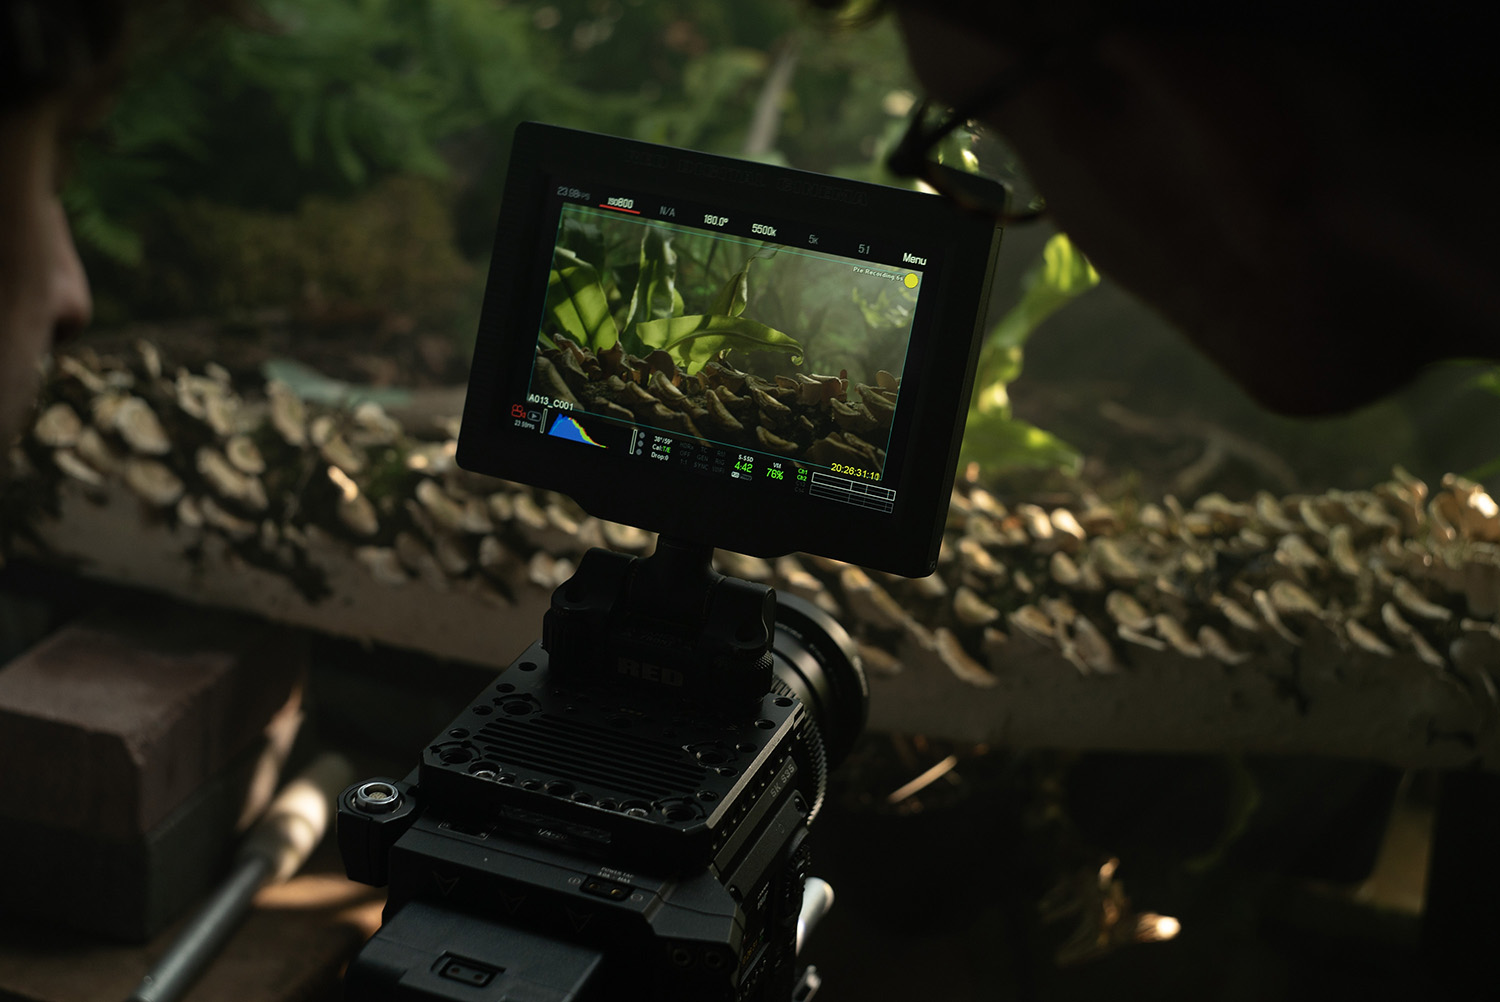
[43, 291]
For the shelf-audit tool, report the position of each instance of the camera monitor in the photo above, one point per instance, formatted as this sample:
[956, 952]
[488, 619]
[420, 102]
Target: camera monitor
[737, 354]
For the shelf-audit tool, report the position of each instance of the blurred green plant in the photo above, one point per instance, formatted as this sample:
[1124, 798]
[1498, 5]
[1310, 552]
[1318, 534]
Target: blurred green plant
[1489, 382]
[337, 95]
[993, 438]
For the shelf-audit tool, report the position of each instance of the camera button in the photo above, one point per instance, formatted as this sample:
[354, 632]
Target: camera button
[601, 888]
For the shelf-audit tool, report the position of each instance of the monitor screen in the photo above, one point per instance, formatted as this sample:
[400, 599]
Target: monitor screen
[739, 354]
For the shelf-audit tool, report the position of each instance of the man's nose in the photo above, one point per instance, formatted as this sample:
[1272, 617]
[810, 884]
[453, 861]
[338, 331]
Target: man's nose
[69, 300]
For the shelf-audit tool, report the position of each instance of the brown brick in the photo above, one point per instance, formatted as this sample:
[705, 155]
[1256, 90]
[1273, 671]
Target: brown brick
[113, 721]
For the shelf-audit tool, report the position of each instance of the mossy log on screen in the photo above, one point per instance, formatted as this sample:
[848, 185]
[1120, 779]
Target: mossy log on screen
[1349, 623]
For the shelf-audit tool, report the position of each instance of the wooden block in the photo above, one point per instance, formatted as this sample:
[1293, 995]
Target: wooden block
[111, 723]
[130, 888]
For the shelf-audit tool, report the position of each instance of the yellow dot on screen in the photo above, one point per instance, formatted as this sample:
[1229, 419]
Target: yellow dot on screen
[911, 280]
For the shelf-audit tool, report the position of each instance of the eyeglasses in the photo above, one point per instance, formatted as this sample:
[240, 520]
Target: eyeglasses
[913, 158]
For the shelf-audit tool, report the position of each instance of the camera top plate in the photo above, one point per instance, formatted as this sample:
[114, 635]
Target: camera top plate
[738, 354]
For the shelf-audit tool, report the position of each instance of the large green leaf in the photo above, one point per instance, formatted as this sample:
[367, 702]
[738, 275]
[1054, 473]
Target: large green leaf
[1059, 277]
[656, 296]
[992, 438]
[1062, 274]
[694, 340]
[577, 302]
[1004, 443]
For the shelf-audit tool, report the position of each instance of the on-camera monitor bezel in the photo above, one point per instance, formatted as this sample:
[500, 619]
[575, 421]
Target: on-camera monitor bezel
[840, 517]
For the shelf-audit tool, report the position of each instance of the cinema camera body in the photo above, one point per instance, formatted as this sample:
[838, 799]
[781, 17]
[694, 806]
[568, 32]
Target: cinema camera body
[623, 813]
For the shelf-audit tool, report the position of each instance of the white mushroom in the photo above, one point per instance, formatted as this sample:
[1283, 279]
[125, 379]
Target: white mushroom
[58, 426]
[1289, 599]
[1219, 648]
[971, 610]
[1341, 551]
[1063, 570]
[1126, 611]
[94, 450]
[228, 482]
[793, 577]
[1094, 648]
[952, 654]
[372, 426]
[1039, 527]
[337, 451]
[1268, 612]
[288, 413]
[233, 526]
[244, 456]
[1240, 617]
[1069, 533]
[1111, 561]
[1293, 551]
[869, 601]
[1172, 632]
[67, 461]
[1413, 601]
[150, 358]
[1366, 639]
[153, 481]
[1034, 623]
[444, 511]
[1140, 639]
[358, 514]
[189, 512]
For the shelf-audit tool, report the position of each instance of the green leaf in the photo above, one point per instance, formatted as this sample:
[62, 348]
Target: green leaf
[1489, 381]
[735, 295]
[577, 302]
[992, 438]
[1061, 275]
[656, 296]
[694, 340]
[1004, 443]
[336, 122]
[585, 240]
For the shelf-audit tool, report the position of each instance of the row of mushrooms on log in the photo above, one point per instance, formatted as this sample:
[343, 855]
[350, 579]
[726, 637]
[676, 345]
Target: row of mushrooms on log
[1399, 568]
